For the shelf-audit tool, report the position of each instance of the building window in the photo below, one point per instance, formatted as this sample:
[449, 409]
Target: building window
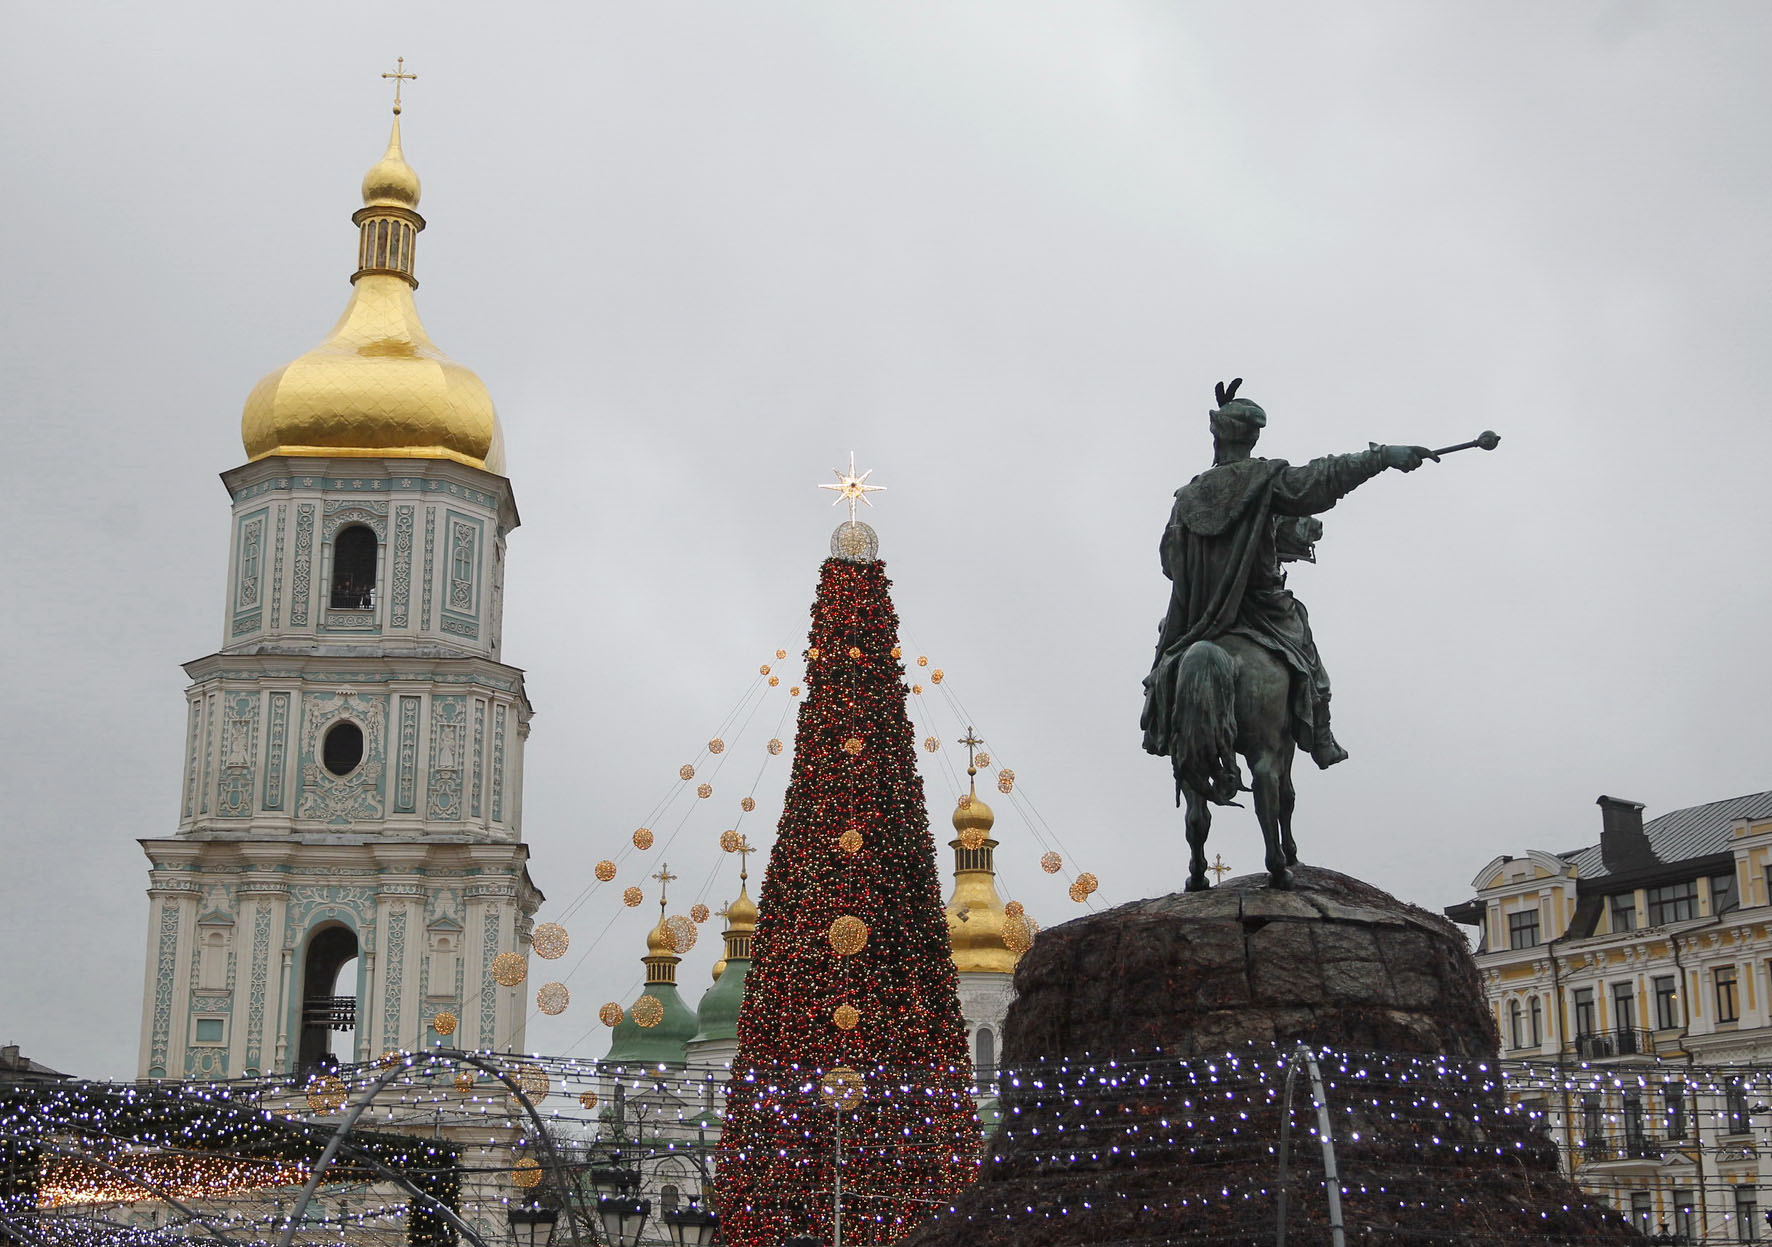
[1514, 1032]
[353, 569]
[1537, 1022]
[1675, 1095]
[1685, 1224]
[1735, 1108]
[985, 1053]
[1522, 929]
[1593, 1130]
[1722, 894]
[342, 748]
[1624, 1012]
[668, 1197]
[1728, 1007]
[1667, 1002]
[1673, 902]
[1624, 912]
[209, 1030]
[1636, 1141]
[1642, 1211]
[1585, 1022]
[1747, 1214]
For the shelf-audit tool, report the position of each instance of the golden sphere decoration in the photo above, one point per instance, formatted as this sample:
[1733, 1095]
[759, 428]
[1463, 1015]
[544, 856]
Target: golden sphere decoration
[588, 1100]
[972, 838]
[747, 804]
[610, 1014]
[1088, 882]
[605, 870]
[1018, 937]
[704, 791]
[445, 1023]
[1014, 909]
[730, 840]
[632, 897]
[931, 744]
[982, 760]
[648, 1012]
[781, 653]
[965, 802]
[699, 912]
[550, 941]
[643, 837]
[795, 691]
[916, 690]
[686, 771]
[848, 935]
[841, 1089]
[763, 670]
[1079, 893]
[853, 746]
[716, 745]
[534, 1081]
[896, 652]
[855, 651]
[850, 841]
[1005, 780]
[1051, 863]
[682, 932]
[327, 1095]
[774, 745]
[812, 654]
[845, 1017]
[526, 1173]
[389, 1058]
[935, 677]
[774, 681]
[509, 969]
[553, 998]
[464, 1081]
[922, 660]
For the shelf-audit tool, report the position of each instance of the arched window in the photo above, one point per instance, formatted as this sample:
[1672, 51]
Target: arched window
[984, 1053]
[353, 569]
[1513, 1025]
[668, 1197]
[1537, 1030]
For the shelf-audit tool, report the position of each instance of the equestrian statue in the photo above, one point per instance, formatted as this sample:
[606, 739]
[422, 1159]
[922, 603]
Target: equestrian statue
[1236, 670]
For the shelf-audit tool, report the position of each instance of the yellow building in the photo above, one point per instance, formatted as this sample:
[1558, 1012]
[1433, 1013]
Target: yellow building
[1633, 981]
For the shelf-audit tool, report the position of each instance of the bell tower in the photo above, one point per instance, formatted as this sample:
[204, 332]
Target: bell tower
[349, 857]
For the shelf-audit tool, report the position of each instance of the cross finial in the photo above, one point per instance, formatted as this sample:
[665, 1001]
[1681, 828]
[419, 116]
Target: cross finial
[665, 878]
[1218, 867]
[972, 742]
[850, 487]
[744, 850]
[400, 77]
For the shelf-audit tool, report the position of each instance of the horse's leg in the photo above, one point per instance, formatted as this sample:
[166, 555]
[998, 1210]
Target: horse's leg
[1268, 771]
[1199, 823]
[1288, 798]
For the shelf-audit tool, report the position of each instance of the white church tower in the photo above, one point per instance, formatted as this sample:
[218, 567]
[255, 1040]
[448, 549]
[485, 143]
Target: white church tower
[349, 855]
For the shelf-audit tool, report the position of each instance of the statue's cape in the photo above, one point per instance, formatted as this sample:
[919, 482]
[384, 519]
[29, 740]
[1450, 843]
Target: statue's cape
[1217, 498]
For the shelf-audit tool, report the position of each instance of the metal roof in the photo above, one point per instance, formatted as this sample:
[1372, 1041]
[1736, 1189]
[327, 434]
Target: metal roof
[1680, 835]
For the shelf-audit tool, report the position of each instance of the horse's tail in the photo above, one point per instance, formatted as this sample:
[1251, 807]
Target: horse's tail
[1204, 750]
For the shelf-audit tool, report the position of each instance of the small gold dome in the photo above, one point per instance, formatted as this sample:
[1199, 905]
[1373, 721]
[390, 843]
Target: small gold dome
[719, 969]
[659, 943]
[974, 814]
[741, 915]
[391, 182]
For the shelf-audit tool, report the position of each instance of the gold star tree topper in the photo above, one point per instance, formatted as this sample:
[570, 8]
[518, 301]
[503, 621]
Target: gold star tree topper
[852, 488]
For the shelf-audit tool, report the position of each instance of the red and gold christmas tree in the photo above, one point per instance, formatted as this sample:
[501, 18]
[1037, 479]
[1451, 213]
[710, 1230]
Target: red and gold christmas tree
[852, 977]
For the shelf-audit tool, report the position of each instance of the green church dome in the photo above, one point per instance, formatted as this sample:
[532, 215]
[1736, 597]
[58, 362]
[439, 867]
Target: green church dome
[718, 1011]
[633, 1044]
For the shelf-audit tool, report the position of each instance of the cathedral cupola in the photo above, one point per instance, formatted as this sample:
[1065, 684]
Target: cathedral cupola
[378, 387]
[976, 917]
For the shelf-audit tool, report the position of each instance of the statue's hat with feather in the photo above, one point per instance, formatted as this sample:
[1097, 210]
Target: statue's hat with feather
[1236, 419]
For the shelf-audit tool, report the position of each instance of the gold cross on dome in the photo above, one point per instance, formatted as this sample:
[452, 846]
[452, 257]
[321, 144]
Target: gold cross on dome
[1218, 867]
[851, 487]
[744, 850]
[400, 77]
[664, 877]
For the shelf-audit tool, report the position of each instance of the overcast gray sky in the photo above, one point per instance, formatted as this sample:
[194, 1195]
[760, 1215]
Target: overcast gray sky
[698, 252]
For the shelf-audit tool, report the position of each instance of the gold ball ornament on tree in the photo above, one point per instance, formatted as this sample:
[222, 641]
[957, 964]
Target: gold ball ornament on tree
[699, 912]
[643, 837]
[610, 1014]
[716, 745]
[526, 1173]
[509, 969]
[1051, 863]
[812, 654]
[1005, 780]
[850, 841]
[747, 804]
[774, 745]
[730, 840]
[553, 998]
[686, 771]
[550, 941]
[605, 870]
[682, 933]
[896, 652]
[853, 746]
[848, 935]
[632, 897]
[588, 1100]
[841, 1088]
[854, 651]
[648, 1012]
[704, 791]
[327, 1095]
[846, 1017]
[445, 1023]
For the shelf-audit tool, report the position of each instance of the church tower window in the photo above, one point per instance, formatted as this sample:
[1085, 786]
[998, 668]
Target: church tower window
[342, 749]
[353, 569]
[330, 950]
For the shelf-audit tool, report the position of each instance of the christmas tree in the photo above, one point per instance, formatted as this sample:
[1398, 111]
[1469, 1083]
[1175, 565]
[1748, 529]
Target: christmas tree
[850, 1039]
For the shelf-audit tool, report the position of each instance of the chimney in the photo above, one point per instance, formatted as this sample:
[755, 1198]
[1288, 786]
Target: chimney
[9, 1056]
[1623, 845]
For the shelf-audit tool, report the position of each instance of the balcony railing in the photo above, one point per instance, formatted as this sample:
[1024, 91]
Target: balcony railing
[1614, 1044]
[1626, 1147]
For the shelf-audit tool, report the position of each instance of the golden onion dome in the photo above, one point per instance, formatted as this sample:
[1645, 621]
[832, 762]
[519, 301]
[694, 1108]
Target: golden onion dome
[659, 943]
[741, 915]
[377, 387]
[975, 912]
[719, 969]
[974, 814]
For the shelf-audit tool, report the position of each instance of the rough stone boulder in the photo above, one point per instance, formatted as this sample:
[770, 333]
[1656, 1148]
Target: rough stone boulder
[1144, 1057]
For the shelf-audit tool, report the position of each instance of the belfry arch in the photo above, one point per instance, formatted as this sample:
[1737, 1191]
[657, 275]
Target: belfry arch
[324, 1010]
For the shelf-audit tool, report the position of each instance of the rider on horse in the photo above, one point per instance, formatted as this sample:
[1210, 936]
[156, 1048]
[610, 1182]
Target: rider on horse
[1231, 528]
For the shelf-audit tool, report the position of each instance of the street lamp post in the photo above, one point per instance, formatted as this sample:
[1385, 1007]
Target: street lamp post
[691, 1226]
[622, 1215]
[532, 1226]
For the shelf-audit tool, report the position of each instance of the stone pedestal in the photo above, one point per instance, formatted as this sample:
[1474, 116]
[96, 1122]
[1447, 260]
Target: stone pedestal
[1150, 1044]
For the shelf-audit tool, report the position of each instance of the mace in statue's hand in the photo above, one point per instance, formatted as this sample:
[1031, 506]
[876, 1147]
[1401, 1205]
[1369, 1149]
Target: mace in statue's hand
[1407, 458]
